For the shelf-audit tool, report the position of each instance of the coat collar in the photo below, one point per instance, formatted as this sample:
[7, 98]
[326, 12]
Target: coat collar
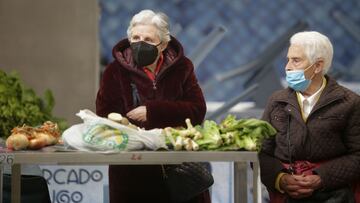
[331, 92]
[122, 54]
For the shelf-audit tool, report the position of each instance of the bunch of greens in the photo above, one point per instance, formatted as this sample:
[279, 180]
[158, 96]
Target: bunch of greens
[20, 105]
[248, 133]
[230, 134]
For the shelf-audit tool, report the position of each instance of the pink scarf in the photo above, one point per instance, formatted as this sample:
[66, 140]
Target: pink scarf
[305, 167]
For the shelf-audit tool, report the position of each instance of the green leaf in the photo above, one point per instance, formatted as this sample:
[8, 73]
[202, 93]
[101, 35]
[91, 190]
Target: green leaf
[20, 105]
[49, 101]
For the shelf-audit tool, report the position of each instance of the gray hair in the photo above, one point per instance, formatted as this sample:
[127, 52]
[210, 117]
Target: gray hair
[149, 17]
[316, 46]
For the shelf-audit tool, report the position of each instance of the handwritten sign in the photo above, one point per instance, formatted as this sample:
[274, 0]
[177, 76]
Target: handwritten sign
[6, 159]
[136, 157]
[76, 184]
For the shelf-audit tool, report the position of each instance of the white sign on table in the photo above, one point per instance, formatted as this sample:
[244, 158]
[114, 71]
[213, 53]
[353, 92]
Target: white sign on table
[77, 184]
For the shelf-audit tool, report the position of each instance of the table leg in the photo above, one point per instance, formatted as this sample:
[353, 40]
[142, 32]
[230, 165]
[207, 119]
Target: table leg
[257, 195]
[15, 183]
[1, 183]
[240, 182]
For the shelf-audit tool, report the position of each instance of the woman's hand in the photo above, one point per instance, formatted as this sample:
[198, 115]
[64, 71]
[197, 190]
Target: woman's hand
[137, 114]
[297, 186]
[309, 181]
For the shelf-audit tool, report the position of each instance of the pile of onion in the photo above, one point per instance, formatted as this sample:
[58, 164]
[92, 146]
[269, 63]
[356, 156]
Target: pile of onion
[27, 137]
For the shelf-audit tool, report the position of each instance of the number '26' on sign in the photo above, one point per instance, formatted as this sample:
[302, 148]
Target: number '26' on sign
[6, 159]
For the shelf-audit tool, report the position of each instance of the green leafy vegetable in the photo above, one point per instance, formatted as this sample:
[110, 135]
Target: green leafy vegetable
[211, 136]
[20, 105]
[230, 134]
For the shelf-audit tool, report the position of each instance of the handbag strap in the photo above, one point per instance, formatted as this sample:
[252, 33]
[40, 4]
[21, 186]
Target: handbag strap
[163, 171]
[291, 167]
[135, 95]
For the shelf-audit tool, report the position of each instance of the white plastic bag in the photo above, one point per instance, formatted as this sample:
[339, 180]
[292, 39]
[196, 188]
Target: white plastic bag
[101, 134]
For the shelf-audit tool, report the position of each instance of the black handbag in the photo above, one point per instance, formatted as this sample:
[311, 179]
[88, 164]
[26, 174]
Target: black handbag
[33, 189]
[187, 180]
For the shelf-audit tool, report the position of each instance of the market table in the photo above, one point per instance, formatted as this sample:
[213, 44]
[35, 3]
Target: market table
[241, 160]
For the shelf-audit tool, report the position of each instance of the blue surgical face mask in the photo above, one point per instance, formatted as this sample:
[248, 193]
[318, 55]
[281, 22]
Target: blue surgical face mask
[296, 79]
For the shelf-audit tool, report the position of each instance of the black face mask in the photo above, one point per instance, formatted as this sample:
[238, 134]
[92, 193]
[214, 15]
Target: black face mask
[143, 53]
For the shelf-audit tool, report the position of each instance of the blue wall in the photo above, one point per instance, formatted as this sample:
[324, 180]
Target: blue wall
[251, 26]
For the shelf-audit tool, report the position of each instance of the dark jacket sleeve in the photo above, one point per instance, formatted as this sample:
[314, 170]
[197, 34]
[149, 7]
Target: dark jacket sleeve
[109, 96]
[345, 169]
[270, 167]
[173, 113]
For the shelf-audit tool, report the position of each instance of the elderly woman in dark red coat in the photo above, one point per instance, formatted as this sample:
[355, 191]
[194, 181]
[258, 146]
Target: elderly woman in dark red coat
[153, 84]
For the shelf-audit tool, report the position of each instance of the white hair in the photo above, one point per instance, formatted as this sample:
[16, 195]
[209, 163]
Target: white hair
[149, 17]
[316, 46]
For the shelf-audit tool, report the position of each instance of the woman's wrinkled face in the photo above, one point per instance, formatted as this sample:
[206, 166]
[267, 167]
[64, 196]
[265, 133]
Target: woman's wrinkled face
[146, 33]
[297, 59]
